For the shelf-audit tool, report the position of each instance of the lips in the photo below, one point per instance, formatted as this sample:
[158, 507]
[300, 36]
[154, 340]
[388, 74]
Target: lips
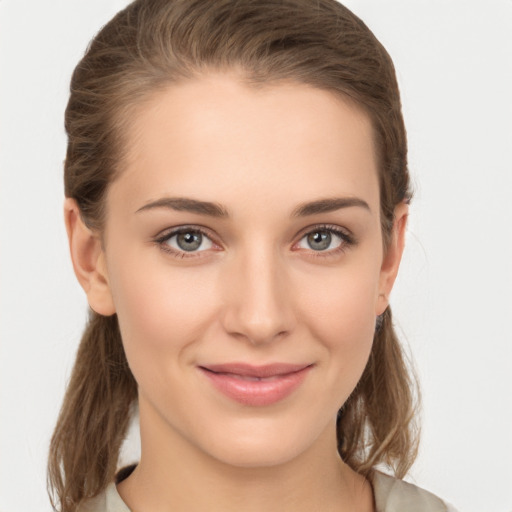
[256, 385]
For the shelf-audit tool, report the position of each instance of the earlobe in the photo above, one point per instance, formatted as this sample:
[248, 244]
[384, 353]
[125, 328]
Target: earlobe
[88, 259]
[392, 257]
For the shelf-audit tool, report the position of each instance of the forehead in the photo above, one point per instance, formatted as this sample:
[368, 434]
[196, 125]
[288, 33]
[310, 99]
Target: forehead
[216, 136]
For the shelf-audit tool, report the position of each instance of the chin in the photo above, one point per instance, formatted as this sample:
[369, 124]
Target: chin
[252, 457]
[264, 445]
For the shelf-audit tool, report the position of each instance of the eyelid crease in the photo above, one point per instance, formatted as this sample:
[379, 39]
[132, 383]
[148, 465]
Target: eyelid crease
[344, 233]
[168, 232]
[347, 237]
[348, 240]
[165, 235]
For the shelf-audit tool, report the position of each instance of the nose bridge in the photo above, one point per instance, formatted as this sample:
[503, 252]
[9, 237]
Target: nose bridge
[259, 307]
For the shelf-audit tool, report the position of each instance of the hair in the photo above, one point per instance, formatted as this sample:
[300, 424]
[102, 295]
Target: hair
[145, 48]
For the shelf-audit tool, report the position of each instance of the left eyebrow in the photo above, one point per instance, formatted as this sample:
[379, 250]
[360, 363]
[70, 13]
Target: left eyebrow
[329, 205]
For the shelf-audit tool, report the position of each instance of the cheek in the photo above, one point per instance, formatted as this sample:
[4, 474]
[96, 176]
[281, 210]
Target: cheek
[160, 311]
[341, 315]
[343, 305]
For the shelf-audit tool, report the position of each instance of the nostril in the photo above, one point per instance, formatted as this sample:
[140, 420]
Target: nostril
[258, 306]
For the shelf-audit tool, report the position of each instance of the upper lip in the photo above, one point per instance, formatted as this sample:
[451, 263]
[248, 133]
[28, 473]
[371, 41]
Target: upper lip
[249, 370]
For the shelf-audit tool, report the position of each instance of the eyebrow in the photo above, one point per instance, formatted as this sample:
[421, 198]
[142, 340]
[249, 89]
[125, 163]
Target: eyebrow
[183, 204]
[329, 205]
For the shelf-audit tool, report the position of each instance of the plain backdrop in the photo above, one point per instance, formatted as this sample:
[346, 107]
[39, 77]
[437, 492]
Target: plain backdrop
[453, 299]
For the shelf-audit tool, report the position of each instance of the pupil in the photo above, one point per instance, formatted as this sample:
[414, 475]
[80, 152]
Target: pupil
[189, 241]
[320, 240]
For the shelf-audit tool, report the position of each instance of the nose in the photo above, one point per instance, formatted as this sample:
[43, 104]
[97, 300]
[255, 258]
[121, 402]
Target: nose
[258, 305]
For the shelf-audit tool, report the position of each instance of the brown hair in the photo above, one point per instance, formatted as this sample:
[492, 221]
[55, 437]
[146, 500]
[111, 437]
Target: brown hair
[147, 46]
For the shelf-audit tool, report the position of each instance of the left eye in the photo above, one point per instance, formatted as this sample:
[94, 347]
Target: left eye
[321, 240]
[189, 241]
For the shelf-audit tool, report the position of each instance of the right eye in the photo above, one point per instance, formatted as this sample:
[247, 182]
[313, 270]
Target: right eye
[185, 241]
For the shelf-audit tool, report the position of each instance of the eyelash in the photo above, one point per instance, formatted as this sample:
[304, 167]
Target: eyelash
[347, 240]
[163, 238]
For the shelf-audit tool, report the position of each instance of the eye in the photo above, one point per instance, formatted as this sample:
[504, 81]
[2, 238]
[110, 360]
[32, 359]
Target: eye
[320, 240]
[324, 239]
[185, 240]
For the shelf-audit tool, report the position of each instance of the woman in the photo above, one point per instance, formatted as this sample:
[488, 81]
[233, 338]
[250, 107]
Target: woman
[237, 198]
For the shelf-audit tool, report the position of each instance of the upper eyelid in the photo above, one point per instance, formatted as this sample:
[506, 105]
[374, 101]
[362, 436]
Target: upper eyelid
[171, 231]
[165, 235]
[347, 239]
[325, 227]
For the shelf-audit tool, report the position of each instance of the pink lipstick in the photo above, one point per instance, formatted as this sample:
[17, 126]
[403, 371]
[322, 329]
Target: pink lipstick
[256, 385]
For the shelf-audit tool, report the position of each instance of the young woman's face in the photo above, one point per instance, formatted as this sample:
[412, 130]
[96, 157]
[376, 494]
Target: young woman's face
[244, 258]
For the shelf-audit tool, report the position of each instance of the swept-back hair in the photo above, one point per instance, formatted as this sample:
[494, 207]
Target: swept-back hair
[146, 47]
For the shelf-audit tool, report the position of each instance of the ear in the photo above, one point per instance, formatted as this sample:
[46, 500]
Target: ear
[88, 259]
[392, 257]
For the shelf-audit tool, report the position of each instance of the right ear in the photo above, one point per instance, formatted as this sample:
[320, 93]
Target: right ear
[88, 259]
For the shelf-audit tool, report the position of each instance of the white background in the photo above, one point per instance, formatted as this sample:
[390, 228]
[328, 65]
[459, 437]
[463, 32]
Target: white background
[453, 301]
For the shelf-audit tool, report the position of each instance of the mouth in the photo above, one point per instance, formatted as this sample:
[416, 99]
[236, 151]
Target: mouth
[256, 385]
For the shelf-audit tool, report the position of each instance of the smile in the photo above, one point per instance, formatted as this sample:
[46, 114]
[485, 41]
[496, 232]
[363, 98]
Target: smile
[256, 385]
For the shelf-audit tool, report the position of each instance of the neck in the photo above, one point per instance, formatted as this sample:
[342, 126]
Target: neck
[175, 475]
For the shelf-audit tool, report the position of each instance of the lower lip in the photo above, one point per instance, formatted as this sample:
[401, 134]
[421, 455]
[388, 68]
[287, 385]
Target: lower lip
[267, 391]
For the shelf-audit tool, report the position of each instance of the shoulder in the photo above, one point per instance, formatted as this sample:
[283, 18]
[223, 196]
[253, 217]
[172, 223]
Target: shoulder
[393, 495]
[108, 501]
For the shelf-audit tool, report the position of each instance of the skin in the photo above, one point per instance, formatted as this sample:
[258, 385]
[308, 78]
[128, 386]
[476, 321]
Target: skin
[255, 291]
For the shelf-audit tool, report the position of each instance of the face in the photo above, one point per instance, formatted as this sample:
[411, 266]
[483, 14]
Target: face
[244, 259]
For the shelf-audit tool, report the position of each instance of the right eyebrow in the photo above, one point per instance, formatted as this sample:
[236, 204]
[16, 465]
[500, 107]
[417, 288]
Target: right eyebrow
[185, 204]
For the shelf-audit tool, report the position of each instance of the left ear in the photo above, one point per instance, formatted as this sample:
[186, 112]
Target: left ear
[392, 257]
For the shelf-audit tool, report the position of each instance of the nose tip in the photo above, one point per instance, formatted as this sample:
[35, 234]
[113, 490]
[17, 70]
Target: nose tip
[259, 307]
[258, 328]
